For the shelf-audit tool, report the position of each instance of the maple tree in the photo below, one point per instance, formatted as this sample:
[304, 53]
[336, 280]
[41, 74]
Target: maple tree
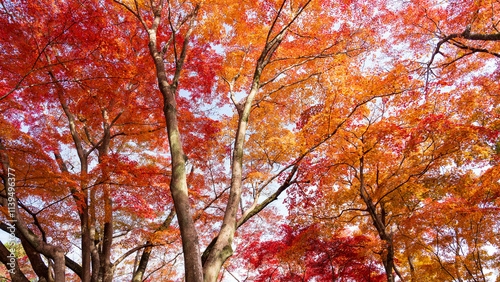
[62, 58]
[382, 180]
[462, 57]
[157, 129]
[281, 25]
[387, 165]
[312, 253]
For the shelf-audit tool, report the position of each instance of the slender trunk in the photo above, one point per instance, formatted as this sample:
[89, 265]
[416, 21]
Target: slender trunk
[178, 182]
[143, 263]
[106, 253]
[86, 256]
[94, 238]
[141, 269]
[388, 259]
[378, 220]
[81, 197]
[35, 259]
[413, 278]
[59, 266]
[107, 241]
[85, 225]
[178, 188]
[222, 249]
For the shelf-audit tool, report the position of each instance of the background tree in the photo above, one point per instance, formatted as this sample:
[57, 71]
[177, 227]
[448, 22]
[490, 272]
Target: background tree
[116, 117]
[268, 61]
[382, 170]
[69, 101]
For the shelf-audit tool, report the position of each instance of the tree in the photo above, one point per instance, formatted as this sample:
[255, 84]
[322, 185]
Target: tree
[72, 70]
[377, 172]
[269, 65]
[70, 83]
[116, 118]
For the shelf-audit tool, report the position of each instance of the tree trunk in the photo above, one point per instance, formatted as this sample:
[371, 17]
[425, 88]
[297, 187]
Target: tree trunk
[81, 197]
[141, 269]
[178, 187]
[86, 258]
[178, 181]
[378, 220]
[388, 259]
[413, 278]
[35, 259]
[106, 268]
[222, 249]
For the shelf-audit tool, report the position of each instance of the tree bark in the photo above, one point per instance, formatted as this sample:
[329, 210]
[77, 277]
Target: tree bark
[106, 269]
[221, 250]
[178, 188]
[81, 197]
[38, 265]
[6, 258]
[178, 182]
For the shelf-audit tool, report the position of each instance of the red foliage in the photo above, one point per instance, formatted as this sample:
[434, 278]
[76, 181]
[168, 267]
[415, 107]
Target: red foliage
[304, 254]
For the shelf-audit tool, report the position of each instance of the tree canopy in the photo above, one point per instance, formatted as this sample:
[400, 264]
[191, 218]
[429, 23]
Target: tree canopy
[221, 140]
